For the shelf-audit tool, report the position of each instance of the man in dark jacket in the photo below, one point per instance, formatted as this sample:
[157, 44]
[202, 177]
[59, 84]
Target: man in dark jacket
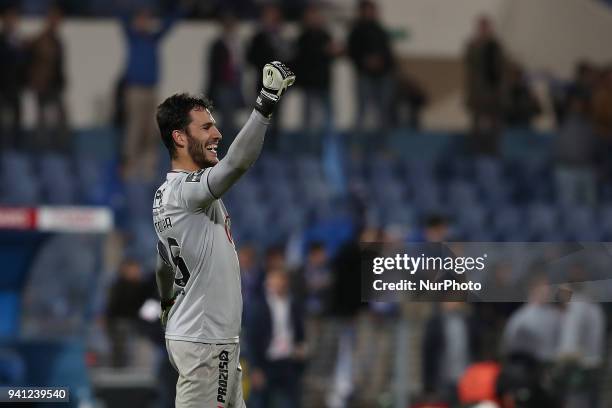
[275, 337]
[12, 55]
[268, 45]
[484, 67]
[369, 48]
[47, 79]
[315, 51]
[225, 76]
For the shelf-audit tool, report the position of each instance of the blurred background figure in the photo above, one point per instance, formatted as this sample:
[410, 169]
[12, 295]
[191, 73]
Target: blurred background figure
[126, 296]
[580, 358]
[484, 69]
[277, 347]
[369, 48]
[225, 68]
[47, 79]
[141, 75]
[314, 280]
[450, 345]
[575, 148]
[315, 50]
[534, 328]
[268, 44]
[345, 308]
[519, 104]
[436, 228]
[409, 101]
[251, 274]
[12, 55]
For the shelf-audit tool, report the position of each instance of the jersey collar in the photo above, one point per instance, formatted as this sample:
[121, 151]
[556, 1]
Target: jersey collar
[173, 173]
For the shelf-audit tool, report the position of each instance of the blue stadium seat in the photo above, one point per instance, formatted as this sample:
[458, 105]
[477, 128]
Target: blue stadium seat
[579, 223]
[12, 162]
[57, 180]
[19, 185]
[308, 168]
[138, 199]
[428, 198]
[488, 170]
[471, 218]
[90, 180]
[508, 222]
[542, 221]
[461, 194]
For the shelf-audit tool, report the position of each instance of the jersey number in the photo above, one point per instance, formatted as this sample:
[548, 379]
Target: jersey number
[175, 252]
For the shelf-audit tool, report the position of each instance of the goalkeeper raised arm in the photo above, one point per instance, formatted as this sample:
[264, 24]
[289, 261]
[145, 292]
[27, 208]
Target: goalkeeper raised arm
[198, 274]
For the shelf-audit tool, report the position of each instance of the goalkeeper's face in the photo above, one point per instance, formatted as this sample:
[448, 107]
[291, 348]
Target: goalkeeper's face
[203, 138]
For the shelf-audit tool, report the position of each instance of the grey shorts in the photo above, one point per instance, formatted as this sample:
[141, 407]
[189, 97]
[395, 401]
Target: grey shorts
[210, 375]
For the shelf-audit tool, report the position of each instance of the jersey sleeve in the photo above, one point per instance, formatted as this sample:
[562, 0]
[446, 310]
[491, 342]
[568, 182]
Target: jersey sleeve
[195, 189]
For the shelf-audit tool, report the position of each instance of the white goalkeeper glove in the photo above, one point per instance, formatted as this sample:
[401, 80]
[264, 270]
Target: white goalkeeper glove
[276, 77]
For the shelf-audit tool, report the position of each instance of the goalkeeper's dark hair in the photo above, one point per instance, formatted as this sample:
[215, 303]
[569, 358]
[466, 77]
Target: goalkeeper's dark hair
[173, 114]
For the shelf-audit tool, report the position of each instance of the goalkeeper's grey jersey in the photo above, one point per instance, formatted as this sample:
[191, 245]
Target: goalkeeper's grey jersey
[193, 227]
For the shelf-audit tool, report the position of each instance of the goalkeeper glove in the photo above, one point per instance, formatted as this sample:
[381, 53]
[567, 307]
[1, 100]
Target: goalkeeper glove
[166, 305]
[277, 77]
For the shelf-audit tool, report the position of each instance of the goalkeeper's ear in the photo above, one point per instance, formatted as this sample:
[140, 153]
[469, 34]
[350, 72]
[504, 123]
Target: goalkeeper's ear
[179, 138]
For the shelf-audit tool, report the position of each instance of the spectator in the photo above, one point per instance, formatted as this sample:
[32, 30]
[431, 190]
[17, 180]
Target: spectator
[575, 151]
[369, 48]
[520, 106]
[449, 345]
[275, 336]
[47, 79]
[315, 51]
[12, 55]
[345, 307]
[409, 101]
[533, 330]
[140, 146]
[582, 348]
[583, 83]
[484, 67]
[601, 109]
[127, 294]
[268, 45]
[225, 76]
[313, 281]
[252, 276]
[436, 229]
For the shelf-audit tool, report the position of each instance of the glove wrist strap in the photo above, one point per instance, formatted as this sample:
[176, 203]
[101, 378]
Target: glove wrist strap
[266, 102]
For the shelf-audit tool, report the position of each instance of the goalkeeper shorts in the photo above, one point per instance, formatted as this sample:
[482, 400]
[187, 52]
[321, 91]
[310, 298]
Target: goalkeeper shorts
[209, 374]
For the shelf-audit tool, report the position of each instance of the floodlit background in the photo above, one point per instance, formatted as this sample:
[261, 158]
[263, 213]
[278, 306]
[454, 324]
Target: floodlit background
[410, 121]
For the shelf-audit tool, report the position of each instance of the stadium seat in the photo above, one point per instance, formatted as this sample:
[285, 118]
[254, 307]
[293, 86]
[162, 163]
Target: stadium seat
[507, 221]
[90, 181]
[471, 218]
[19, 185]
[461, 194]
[579, 223]
[57, 180]
[542, 222]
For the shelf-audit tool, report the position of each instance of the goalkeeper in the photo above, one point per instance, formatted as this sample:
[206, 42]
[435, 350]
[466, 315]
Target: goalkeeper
[197, 269]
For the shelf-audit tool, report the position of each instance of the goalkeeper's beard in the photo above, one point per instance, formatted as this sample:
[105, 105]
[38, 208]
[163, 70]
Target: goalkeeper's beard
[196, 151]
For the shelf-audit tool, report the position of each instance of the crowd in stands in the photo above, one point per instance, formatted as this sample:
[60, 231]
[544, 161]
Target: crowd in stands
[35, 63]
